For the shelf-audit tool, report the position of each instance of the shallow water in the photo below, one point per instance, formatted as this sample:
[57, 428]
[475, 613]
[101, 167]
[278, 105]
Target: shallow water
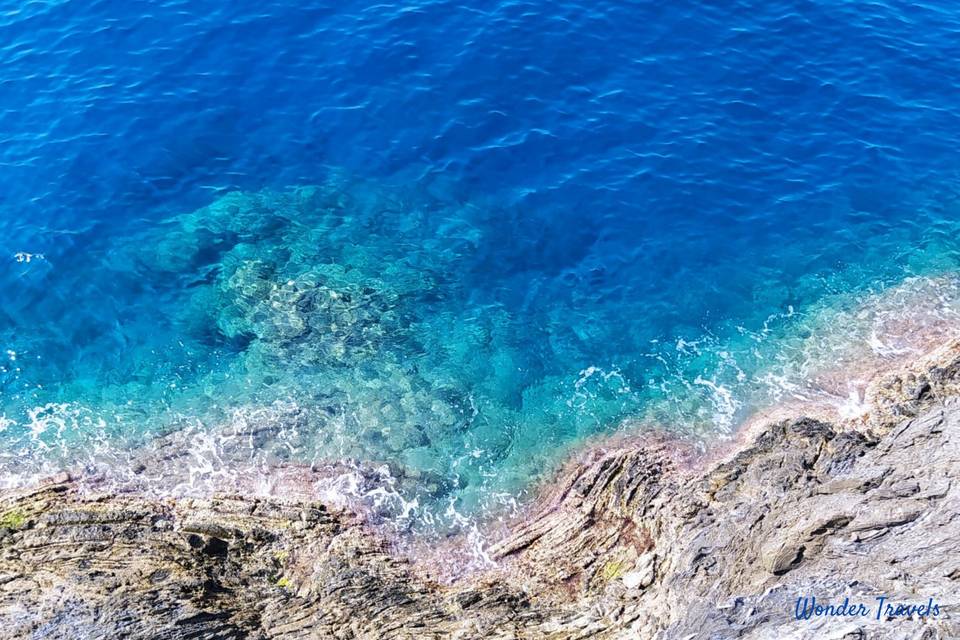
[430, 249]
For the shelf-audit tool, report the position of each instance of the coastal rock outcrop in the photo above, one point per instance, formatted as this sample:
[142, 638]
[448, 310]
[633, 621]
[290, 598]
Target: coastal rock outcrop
[637, 539]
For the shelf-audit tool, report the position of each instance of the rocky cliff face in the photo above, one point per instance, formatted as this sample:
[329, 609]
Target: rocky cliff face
[638, 540]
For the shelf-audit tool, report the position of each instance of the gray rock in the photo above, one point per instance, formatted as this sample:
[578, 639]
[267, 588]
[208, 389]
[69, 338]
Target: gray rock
[647, 540]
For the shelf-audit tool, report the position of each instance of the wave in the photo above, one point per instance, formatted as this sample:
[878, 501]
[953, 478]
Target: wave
[345, 342]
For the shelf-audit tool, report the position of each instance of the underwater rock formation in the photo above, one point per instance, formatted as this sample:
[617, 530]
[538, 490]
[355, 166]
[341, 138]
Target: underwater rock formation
[400, 326]
[635, 540]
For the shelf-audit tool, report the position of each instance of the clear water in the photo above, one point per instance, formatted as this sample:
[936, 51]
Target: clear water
[440, 245]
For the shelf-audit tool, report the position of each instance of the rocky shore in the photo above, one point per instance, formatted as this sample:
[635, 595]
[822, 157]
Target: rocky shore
[639, 539]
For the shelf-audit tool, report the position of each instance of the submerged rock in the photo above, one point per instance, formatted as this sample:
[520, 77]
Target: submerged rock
[643, 540]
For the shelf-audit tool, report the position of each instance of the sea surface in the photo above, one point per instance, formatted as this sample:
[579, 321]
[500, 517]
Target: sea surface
[426, 250]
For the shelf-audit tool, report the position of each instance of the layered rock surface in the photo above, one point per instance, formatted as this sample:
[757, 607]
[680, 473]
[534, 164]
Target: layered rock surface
[642, 539]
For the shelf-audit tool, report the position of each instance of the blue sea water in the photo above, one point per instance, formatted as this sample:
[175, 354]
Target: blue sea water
[455, 239]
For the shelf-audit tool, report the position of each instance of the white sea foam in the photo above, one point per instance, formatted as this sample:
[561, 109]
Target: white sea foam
[725, 406]
[291, 448]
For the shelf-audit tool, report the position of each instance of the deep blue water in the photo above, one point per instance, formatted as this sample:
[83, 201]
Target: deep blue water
[467, 236]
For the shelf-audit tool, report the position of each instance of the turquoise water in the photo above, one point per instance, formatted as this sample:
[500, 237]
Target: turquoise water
[413, 257]
[341, 327]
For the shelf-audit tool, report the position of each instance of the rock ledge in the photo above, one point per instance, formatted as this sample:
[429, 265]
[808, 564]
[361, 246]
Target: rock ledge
[634, 542]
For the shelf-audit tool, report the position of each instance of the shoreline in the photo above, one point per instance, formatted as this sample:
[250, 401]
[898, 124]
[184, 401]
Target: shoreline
[649, 541]
[291, 482]
[824, 374]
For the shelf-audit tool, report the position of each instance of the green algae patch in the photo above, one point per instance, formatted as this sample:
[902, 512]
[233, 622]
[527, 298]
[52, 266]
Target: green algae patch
[612, 570]
[284, 583]
[13, 519]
